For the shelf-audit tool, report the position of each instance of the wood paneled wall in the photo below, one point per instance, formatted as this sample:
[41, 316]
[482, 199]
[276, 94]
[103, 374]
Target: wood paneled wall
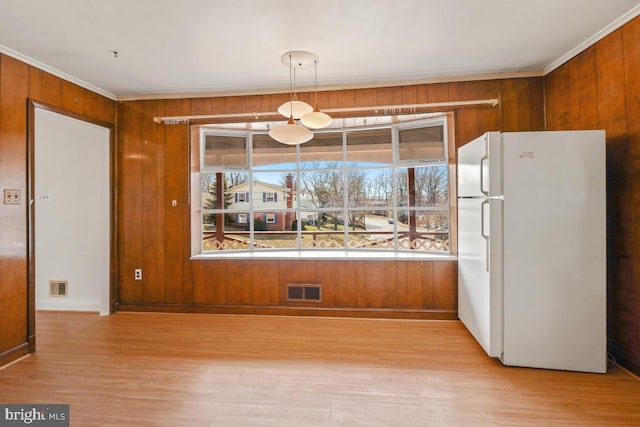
[18, 83]
[600, 89]
[155, 236]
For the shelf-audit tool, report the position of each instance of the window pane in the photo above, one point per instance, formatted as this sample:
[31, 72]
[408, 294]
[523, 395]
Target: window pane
[421, 143]
[380, 187]
[270, 154]
[222, 231]
[225, 151]
[425, 186]
[324, 147]
[370, 229]
[324, 189]
[432, 186]
[233, 182]
[369, 188]
[369, 147]
[402, 187]
[272, 181]
[420, 230]
[272, 190]
[357, 188]
[238, 197]
[433, 220]
[274, 230]
[323, 229]
[265, 240]
[208, 190]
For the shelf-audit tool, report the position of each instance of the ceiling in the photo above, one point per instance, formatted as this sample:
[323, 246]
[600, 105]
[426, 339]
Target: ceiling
[221, 47]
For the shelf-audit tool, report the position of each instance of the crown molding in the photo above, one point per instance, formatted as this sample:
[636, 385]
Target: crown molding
[370, 85]
[28, 60]
[593, 39]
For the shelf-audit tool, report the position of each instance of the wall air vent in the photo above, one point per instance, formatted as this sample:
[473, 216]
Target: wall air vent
[307, 292]
[58, 288]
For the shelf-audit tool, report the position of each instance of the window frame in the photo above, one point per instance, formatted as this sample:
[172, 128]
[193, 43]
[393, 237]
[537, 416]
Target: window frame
[270, 197]
[344, 168]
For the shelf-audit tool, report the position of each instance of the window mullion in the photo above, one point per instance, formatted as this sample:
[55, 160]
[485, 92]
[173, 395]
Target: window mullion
[345, 191]
[394, 186]
[295, 203]
[249, 142]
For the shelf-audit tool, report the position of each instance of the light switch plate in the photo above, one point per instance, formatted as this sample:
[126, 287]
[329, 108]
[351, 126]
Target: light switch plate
[12, 197]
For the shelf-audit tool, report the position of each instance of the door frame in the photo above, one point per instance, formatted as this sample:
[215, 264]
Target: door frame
[113, 243]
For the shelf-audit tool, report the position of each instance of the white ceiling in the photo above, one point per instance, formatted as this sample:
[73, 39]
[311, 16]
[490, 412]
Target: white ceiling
[189, 47]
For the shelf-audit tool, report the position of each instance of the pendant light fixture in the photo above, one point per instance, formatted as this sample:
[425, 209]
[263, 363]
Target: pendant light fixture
[291, 133]
[316, 119]
[295, 107]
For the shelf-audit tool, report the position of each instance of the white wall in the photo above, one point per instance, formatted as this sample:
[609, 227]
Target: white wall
[72, 226]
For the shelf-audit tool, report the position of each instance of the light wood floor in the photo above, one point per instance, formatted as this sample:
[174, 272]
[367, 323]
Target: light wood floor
[137, 369]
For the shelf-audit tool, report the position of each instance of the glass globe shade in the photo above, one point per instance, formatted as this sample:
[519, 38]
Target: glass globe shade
[295, 108]
[316, 119]
[291, 134]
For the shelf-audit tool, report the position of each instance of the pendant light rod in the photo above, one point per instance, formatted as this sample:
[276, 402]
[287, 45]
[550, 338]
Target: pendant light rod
[315, 78]
[392, 109]
[290, 88]
[316, 119]
[295, 59]
[292, 133]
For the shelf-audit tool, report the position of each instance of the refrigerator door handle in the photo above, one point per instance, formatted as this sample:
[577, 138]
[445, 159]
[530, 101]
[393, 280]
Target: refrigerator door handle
[485, 236]
[482, 160]
[482, 190]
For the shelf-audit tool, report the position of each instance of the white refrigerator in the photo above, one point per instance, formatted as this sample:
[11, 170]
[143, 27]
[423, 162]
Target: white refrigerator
[532, 247]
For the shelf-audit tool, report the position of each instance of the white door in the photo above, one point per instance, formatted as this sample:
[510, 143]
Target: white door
[480, 240]
[72, 212]
[555, 250]
[480, 271]
[480, 167]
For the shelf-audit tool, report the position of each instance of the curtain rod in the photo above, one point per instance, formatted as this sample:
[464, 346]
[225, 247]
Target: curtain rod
[392, 109]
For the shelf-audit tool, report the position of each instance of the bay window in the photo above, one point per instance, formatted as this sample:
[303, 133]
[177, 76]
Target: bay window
[356, 188]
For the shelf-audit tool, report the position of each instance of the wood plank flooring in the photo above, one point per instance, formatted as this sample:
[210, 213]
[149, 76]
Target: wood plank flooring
[148, 369]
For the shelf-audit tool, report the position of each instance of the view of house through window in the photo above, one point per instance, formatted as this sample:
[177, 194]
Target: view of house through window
[381, 187]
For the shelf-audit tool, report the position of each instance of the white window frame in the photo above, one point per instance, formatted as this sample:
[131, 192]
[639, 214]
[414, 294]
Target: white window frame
[394, 209]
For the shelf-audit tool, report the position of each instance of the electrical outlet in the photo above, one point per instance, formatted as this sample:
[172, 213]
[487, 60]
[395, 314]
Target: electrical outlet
[137, 274]
[12, 197]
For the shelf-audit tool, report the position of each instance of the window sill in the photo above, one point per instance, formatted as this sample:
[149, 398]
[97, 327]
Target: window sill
[326, 255]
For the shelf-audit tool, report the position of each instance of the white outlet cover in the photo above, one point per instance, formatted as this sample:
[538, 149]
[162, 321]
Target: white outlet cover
[45, 197]
[12, 197]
